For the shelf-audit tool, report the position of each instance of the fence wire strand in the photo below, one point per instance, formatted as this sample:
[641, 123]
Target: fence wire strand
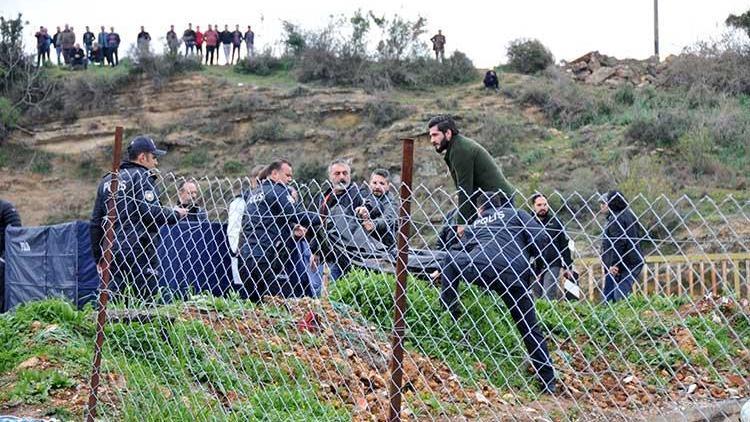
[299, 329]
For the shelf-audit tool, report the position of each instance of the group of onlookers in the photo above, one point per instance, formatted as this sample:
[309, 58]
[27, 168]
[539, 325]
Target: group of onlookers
[103, 48]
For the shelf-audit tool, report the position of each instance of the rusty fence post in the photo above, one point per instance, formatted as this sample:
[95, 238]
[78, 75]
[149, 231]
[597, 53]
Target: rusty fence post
[399, 295]
[106, 275]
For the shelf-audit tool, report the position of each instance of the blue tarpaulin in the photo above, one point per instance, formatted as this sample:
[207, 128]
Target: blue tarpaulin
[194, 258]
[49, 261]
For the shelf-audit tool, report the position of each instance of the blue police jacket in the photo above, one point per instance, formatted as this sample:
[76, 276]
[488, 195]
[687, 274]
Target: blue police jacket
[139, 211]
[270, 216]
[500, 236]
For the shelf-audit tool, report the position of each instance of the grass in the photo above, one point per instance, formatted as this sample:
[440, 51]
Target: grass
[629, 335]
[172, 367]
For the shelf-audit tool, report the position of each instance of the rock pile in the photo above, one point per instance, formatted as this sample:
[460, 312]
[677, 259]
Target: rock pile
[594, 68]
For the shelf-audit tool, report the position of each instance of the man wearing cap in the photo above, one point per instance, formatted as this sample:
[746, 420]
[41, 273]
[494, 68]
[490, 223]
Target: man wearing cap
[472, 168]
[139, 215]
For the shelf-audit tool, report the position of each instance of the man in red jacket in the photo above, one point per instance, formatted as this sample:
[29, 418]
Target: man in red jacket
[212, 41]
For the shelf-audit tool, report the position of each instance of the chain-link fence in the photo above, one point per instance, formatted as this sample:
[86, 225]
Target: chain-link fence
[276, 302]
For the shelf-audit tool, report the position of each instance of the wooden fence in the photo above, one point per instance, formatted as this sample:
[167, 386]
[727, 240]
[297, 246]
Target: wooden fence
[694, 275]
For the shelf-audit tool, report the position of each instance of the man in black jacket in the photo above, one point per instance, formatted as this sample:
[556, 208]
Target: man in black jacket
[493, 257]
[8, 217]
[188, 195]
[225, 37]
[553, 257]
[621, 251]
[138, 217]
[88, 40]
[379, 217]
[340, 201]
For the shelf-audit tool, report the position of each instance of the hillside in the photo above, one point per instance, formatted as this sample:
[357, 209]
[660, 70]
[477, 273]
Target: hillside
[219, 123]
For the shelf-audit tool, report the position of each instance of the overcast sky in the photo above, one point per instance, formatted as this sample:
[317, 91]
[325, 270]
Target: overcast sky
[481, 29]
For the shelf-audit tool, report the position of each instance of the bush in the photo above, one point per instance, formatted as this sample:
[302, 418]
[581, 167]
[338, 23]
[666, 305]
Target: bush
[262, 64]
[233, 167]
[565, 103]
[382, 112]
[160, 68]
[308, 171]
[696, 148]
[625, 95]
[244, 104]
[528, 56]
[8, 117]
[500, 136]
[270, 130]
[723, 67]
[661, 130]
[197, 158]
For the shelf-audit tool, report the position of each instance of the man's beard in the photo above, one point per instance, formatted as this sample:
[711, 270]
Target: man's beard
[541, 213]
[341, 185]
[443, 145]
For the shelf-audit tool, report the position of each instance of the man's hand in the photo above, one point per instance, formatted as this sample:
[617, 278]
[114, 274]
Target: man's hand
[614, 270]
[314, 262]
[460, 230]
[181, 211]
[299, 231]
[368, 225]
[362, 212]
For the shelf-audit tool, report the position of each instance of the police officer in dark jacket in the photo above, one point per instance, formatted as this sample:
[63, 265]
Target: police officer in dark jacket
[379, 211]
[138, 217]
[554, 257]
[271, 218]
[621, 251]
[341, 200]
[494, 258]
[8, 217]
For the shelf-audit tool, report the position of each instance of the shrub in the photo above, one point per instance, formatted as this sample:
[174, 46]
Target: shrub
[233, 167]
[696, 148]
[308, 171]
[723, 66]
[160, 68]
[244, 103]
[499, 136]
[8, 117]
[382, 112]
[270, 130]
[625, 95]
[563, 102]
[456, 69]
[262, 64]
[528, 56]
[197, 158]
[661, 130]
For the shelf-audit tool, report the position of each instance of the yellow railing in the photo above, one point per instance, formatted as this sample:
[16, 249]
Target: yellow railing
[694, 275]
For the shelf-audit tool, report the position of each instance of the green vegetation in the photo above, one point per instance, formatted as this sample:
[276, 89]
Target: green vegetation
[528, 56]
[179, 361]
[631, 336]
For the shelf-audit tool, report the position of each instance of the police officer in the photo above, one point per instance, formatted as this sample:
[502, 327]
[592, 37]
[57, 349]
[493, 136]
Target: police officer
[139, 215]
[272, 217]
[8, 217]
[472, 168]
[493, 258]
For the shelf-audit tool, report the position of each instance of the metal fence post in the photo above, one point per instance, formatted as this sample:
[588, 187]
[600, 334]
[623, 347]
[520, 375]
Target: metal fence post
[399, 296]
[106, 275]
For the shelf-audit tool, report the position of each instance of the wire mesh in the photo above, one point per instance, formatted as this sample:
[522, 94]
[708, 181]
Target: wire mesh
[279, 305]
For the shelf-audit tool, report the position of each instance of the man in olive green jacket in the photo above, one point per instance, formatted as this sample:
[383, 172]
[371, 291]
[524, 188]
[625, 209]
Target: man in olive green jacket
[472, 168]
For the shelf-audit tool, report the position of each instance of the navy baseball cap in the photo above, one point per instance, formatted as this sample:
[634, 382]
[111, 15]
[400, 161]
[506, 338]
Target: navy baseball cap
[144, 144]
